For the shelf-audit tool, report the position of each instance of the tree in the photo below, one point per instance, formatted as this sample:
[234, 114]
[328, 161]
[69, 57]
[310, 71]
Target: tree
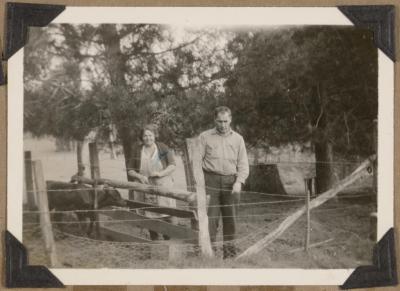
[55, 103]
[137, 74]
[308, 84]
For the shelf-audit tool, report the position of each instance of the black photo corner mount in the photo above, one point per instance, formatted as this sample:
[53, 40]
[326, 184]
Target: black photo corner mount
[20, 16]
[383, 272]
[19, 274]
[378, 18]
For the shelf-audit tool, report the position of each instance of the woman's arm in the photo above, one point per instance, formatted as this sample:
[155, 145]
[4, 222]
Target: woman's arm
[143, 179]
[166, 172]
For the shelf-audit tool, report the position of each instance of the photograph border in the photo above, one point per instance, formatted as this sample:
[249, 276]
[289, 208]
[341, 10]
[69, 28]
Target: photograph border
[382, 135]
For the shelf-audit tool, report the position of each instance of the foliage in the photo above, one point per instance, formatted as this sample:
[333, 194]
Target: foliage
[129, 74]
[291, 84]
[305, 84]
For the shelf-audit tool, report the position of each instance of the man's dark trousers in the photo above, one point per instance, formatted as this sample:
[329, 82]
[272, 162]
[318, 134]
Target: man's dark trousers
[222, 202]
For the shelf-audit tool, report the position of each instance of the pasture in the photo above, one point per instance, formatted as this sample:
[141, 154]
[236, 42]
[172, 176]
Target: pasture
[342, 226]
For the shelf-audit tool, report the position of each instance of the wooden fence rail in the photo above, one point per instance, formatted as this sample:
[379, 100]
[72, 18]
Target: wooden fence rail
[178, 194]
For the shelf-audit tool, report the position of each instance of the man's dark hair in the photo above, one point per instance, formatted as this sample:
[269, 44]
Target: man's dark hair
[222, 109]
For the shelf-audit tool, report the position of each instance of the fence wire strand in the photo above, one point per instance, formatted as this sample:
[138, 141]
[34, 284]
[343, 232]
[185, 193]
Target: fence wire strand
[75, 245]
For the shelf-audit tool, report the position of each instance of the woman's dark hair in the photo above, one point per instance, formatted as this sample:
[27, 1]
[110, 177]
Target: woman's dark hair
[150, 127]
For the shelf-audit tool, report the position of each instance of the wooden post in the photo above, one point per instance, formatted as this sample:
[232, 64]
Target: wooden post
[30, 187]
[313, 191]
[45, 222]
[95, 174]
[307, 184]
[193, 146]
[188, 170]
[190, 184]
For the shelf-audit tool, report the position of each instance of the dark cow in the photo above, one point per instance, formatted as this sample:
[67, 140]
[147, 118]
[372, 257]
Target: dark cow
[64, 196]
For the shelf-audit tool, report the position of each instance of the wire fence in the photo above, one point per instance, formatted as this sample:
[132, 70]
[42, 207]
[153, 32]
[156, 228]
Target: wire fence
[77, 250]
[254, 220]
[252, 161]
[258, 213]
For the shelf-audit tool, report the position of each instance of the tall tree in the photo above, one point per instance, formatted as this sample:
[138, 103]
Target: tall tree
[308, 84]
[138, 74]
[55, 102]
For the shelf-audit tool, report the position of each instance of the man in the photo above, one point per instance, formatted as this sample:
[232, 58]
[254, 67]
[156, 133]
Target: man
[226, 168]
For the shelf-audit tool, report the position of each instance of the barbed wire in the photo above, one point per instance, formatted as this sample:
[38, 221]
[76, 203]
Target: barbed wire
[345, 196]
[330, 209]
[266, 162]
[251, 161]
[256, 232]
[244, 192]
[148, 218]
[189, 244]
[96, 210]
[160, 207]
[245, 238]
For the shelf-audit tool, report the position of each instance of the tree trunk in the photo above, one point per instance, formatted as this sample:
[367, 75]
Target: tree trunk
[112, 150]
[79, 158]
[323, 146]
[324, 166]
[127, 145]
[116, 60]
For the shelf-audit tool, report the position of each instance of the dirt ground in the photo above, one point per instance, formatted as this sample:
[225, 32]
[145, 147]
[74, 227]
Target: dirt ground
[342, 226]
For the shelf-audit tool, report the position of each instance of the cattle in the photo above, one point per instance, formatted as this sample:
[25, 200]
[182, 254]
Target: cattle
[79, 198]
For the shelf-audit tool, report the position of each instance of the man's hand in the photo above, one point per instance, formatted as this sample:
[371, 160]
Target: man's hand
[237, 187]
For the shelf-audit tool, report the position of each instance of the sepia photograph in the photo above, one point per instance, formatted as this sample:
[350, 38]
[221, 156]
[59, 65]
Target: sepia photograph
[200, 146]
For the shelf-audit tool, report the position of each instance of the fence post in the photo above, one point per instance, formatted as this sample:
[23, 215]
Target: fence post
[188, 167]
[193, 146]
[313, 188]
[308, 189]
[95, 174]
[30, 187]
[45, 222]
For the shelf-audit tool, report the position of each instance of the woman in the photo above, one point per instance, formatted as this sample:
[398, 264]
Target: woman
[153, 163]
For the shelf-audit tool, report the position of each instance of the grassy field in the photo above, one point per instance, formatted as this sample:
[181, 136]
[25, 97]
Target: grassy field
[343, 225]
